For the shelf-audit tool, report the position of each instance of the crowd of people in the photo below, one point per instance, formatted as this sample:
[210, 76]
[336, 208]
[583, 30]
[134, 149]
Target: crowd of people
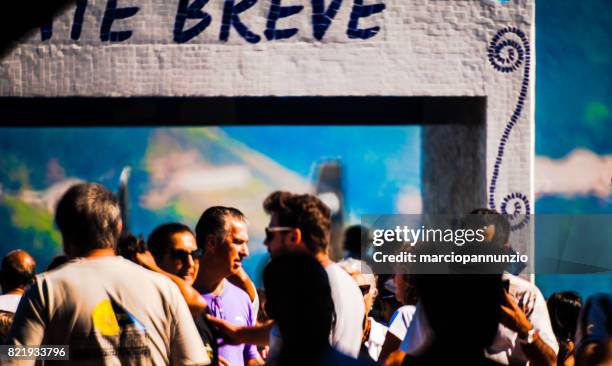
[182, 297]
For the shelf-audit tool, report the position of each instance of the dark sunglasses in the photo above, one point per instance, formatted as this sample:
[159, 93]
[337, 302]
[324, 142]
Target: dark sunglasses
[183, 255]
[365, 289]
[276, 229]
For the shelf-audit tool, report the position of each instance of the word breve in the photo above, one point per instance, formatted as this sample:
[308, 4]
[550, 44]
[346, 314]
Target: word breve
[322, 16]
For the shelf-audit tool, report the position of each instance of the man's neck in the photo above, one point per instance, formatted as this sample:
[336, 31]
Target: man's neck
[209, 281]
[323, 259]
[97, 253]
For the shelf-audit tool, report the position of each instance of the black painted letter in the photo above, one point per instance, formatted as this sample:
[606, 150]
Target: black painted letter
[321, 18]
[231, 18]
[362, 11]
[110, 15]
[193, 11]
[77, 22]
[276, 12]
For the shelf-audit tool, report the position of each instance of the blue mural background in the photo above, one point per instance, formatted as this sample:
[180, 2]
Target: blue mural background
[177, 172]
[573, 102]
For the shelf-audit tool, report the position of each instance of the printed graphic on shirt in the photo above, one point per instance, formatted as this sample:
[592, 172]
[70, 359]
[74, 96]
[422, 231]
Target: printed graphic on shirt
[116, 334]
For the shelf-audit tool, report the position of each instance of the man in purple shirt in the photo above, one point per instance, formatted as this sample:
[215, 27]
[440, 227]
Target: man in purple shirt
[222, 234]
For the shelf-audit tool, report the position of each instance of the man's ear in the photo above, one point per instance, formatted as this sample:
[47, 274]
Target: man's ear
[489, 232]
[120, 227]
[210, 244]
[295, 236]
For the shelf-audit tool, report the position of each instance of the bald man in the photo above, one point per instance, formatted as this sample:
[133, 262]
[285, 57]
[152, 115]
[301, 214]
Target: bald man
[18, 269]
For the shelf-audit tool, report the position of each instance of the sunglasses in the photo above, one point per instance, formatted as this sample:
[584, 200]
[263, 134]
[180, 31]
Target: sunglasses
[183, 255]
[365, 289]
[276, 229]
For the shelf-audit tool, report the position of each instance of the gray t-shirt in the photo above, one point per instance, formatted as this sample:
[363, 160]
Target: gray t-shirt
[110, 311]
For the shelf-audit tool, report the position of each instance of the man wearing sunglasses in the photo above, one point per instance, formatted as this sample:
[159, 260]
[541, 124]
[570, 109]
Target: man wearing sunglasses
[174, 248]
[301, 223]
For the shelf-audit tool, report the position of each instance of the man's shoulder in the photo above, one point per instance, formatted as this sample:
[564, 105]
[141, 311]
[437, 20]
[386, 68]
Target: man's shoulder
[235, 293]
[344, 289]
[106, 269]
[335, 273]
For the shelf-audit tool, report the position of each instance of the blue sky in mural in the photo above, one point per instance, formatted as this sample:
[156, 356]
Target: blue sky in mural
[177, 172]
[573, 103]
[379, 161]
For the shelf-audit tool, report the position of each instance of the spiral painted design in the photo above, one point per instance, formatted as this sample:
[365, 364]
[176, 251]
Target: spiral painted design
[507, 54]
[508, 51]
[517, 208]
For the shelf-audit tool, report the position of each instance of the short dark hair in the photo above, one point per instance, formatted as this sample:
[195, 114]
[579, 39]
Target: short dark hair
[160, 237]
[18, 269]
[88, 215]
[487, 216]
[57, 261]
[354, 236]
[483, 297]
[212, 222]
[564, 308]
[305, 212]
[128, 246]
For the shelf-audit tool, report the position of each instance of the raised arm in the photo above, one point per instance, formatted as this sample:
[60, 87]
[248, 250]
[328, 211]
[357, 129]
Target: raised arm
[233, 334]
[242, 280]
[537, 351]
[195, 302]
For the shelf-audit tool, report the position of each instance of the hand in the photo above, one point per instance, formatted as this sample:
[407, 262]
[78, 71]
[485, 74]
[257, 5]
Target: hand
[146, 260]
[395, 358]
[526, 301]
[228, 331]
[265, 352]
[513, 317]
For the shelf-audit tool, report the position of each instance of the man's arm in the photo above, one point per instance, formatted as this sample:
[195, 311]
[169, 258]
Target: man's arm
[194, 300]
[186, 347]
[243, 281]
[537, 351]
[234, 334]
[29, 323]
[390, 346]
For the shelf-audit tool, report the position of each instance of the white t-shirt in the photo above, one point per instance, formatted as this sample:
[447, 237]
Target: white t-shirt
[375, 341]
[9, 302]
[350, 311]
[400, 321]
[505, 348]
[109, 311]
